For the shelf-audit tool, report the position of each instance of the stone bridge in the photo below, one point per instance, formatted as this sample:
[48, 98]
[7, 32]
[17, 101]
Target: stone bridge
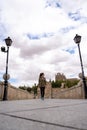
[75, 92]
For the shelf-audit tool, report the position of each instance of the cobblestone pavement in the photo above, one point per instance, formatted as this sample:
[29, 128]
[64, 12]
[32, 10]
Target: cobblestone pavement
[48, 114]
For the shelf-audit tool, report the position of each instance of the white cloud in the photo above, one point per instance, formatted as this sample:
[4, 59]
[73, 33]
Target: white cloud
[52, 25]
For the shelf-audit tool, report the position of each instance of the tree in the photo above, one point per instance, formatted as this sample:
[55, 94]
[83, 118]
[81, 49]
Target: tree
[23, 87]
[29, 89]
[56, 84]
[68, 83]
[34, 89]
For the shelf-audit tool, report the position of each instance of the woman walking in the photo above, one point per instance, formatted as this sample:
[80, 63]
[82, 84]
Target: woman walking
[42, 85]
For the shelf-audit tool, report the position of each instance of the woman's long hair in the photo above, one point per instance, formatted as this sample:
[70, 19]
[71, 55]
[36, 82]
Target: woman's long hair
[41, 74]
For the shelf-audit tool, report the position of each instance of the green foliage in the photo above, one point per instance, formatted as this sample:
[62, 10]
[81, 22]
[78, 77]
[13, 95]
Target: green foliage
[29, 89]
[68, 83]
[56, 84]
[23, 87]
[34, 89]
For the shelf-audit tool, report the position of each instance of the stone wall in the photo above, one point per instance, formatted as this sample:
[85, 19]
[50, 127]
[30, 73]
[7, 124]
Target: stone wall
[15, 93]
[1, 90]
[75, 92]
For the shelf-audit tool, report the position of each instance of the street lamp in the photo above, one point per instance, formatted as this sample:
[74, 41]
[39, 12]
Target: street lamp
[77, 40]
[6, 76]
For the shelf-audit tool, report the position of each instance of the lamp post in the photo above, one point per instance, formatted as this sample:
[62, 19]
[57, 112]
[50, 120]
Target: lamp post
[6, 76]
[77, 40]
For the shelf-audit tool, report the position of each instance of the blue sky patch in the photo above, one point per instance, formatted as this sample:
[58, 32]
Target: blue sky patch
[2, 32]
[53, 3]
[34, 37]
[71, 51]
[72, 75]
[1, 76]
[75, 16]
[13, 80]
[39, 36]
[66, 29]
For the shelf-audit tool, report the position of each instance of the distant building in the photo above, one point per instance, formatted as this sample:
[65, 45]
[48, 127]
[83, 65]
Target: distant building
[72, 79]
[60, 76]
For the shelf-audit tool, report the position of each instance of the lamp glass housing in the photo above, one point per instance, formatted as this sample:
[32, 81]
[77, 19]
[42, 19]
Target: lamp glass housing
[3, 49]
[77, 39]
[8, 41]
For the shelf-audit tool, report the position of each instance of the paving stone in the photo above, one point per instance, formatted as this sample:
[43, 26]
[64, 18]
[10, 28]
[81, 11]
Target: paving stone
[48, 114]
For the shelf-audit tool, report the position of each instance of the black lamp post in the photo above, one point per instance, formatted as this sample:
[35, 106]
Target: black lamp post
[77, 40]
[8, 42]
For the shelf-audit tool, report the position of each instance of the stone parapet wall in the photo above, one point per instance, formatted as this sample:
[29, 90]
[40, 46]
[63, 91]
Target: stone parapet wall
[75, 92]
[1, 90]
[15, 93]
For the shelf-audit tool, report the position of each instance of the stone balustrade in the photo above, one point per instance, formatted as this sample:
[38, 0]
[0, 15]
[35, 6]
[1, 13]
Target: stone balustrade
[75, 92]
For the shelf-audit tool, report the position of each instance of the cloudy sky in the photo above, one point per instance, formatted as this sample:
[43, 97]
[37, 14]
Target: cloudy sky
[42, 32]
